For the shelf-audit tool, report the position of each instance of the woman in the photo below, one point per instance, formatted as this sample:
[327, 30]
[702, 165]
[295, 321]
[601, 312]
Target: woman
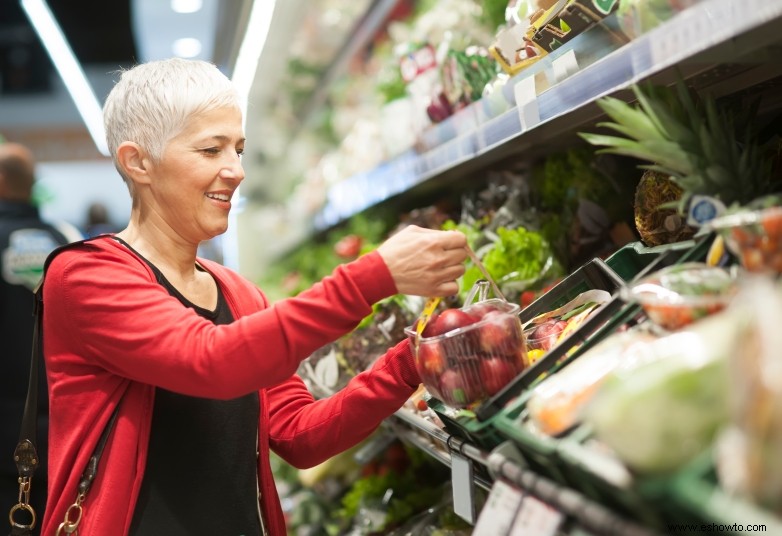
[200, 365]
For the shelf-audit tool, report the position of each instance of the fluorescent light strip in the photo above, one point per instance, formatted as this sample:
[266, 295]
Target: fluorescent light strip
[250, 50]
[69, 69]
[243, 76]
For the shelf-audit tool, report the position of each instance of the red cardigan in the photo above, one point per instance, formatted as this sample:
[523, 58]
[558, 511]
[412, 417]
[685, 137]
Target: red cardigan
[112, 332]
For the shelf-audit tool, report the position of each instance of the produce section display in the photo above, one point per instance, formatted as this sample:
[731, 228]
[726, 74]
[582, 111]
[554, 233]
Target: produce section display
[647, 390]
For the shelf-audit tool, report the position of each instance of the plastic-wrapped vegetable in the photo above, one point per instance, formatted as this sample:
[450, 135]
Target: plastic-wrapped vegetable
[749, 453]
[662, 414]
[557, 403]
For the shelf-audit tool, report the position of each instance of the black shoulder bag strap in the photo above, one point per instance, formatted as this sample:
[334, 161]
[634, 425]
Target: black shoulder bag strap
[25, 454]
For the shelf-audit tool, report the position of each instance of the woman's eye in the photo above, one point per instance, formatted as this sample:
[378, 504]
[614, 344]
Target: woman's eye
[211, 150]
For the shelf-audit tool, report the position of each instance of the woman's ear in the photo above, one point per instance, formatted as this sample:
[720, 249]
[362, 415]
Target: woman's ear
[133, 160]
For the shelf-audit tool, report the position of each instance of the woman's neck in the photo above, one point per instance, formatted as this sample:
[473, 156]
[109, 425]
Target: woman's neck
[171, 254]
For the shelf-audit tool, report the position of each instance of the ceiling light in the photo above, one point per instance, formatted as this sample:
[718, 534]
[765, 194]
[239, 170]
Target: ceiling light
[186, 6]
[243, 75]
[69, 69]
[187, 47]
[251, 48]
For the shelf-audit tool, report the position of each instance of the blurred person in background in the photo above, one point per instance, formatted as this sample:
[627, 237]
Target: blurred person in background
[98, 221]
[197, 364]
[25, 242]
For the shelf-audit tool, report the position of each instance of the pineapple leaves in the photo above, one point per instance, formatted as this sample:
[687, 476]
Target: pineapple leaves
[630, 121]
[663, 153]
[702, 144]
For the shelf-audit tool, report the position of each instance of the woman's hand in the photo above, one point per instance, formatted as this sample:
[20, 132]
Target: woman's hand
[425, 262]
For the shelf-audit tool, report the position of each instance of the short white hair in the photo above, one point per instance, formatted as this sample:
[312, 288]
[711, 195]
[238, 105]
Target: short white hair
[152, 102]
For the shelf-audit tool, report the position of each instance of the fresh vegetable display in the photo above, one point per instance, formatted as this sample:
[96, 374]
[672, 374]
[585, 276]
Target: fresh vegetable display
[467, 355]
[329, 368]
[516, 259]
[679, 295]
[557, 403]
[668, 410]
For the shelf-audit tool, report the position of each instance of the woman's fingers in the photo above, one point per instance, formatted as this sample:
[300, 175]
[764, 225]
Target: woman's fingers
[425, 262]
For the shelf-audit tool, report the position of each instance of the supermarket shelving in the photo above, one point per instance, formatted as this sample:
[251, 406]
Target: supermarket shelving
[723, 45]
[720, 46]
[502, 464]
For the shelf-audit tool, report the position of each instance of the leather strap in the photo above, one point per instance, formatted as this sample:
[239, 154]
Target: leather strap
[25, 454]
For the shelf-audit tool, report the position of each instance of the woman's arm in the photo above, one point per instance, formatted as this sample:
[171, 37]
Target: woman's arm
[305, 432]
[104, 309]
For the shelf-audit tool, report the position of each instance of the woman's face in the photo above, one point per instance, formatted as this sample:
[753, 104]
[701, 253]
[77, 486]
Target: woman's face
[192, 185]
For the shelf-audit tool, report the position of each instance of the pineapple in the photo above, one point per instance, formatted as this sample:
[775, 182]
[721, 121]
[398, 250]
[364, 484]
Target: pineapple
[657, 224]
[704, 149]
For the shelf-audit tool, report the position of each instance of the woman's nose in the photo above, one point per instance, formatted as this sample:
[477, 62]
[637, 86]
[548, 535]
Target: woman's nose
[233, 170]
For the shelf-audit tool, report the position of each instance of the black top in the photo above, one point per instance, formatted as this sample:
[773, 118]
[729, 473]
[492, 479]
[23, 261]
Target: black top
[201, 472]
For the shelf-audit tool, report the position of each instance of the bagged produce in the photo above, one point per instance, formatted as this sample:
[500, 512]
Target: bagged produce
[557, 403]
[749, 461]
[663, 413]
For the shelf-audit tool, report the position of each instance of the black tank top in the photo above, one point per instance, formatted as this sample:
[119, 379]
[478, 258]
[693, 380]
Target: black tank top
[201, 472]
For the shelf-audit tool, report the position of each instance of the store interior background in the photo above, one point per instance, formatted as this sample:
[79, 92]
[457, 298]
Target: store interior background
[36, 108]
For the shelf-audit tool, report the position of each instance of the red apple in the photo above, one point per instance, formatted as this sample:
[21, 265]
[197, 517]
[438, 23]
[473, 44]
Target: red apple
[458, 388]
[545, 335]
[499, 334]
[451, 319]
[481, 309]
[431, 360]
[429, 329]
[497, 372]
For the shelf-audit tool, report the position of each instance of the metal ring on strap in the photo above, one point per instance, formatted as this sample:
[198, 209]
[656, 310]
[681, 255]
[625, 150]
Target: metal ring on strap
[16, 508]
[68, 526]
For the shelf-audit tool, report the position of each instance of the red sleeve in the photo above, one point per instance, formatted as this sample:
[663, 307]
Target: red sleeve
[103, 308]
[305, 432]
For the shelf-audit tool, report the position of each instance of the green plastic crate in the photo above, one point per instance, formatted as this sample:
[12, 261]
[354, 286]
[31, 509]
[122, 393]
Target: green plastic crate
[699, 497]
[634, 258]
[604, 479]
[465, 426]
[538, 450]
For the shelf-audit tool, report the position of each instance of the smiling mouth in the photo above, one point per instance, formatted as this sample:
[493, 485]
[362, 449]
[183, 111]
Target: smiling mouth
[219, 197]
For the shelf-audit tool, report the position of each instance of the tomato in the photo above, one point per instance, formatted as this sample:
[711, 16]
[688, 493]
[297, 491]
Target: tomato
[348, 247]
[772, 223]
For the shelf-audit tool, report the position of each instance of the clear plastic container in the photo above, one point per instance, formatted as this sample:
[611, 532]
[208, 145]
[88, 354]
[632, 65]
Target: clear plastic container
[681, 294]
[466, 365]
[755, 237]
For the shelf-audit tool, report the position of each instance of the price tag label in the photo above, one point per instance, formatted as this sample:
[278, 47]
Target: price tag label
[564, 66]
[527, 102]
[462, 482]
[536, 517]
[499, 512]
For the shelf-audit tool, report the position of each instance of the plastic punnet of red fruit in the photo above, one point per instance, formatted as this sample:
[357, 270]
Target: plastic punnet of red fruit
[465, 356]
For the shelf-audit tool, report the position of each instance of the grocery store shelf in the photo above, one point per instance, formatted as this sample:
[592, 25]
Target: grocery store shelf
[699, 40]
[589, 514]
